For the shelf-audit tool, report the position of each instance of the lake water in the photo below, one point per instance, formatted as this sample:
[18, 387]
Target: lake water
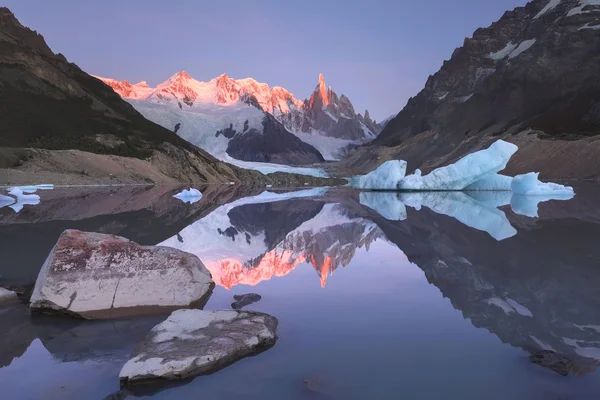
[413, 296]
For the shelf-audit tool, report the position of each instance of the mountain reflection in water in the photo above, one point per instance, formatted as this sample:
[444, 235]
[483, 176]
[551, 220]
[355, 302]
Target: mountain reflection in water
[526, 270]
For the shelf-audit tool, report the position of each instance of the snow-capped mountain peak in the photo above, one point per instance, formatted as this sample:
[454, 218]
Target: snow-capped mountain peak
[324, 121]
[321, 97]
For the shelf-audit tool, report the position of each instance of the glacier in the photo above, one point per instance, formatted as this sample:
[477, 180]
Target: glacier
[530, 185]
[190, 196]
[387, 176]
[465, 171]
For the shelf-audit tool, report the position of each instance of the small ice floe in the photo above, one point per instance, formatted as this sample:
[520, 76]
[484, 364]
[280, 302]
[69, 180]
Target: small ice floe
[189, 196]
[232, 183]
[22, 199]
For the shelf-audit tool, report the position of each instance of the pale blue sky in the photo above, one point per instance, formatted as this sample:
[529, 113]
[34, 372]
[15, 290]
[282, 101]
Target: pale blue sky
[379, 53]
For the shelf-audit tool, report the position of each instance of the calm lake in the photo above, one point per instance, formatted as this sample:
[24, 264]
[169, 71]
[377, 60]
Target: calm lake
[378, 295]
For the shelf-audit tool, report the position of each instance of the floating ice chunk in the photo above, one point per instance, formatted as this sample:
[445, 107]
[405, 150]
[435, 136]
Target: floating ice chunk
[465, 171]
[387, 177]
[23, 199]
[529, 185]
[33, 188]
[388, 205]
[495, 182]
[189, 196]
[465, 209]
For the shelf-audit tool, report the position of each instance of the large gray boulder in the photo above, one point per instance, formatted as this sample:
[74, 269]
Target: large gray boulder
[195, 342]
[94, 275]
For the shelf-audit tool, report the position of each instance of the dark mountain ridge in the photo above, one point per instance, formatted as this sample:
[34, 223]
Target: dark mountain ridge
[531, 78]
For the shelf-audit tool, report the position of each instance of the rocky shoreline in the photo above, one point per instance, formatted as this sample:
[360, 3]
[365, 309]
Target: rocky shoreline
[98, 276]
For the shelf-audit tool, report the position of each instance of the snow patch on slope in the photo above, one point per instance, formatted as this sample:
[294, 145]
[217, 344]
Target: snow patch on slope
[549, 7]
[500, 55]
[512, 50]
[523, 47]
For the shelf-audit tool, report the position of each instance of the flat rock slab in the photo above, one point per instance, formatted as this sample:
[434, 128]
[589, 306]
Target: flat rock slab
[93, 275]
[7, 297]
[195, 342]
[549, 359]
[243, 300]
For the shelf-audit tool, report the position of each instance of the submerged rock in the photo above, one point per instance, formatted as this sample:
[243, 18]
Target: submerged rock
[550, 359]
[243, 300]
[94, 275]
[7, 297]
[195, 342]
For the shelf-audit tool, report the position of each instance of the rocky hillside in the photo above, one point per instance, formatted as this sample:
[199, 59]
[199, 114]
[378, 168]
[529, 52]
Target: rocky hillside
[49, 103]
[531, 78]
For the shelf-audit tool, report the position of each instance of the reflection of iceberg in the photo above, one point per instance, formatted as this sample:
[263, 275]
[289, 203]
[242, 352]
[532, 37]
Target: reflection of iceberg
[464, 208]
[387, 204]
[23, 199]
[189, 196]
[477, 209]
[465, 171]
[528, 205]
[6, 201]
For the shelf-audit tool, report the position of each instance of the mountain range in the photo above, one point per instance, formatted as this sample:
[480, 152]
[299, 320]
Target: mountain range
[530, 78]
[251, 121]
[61, 125]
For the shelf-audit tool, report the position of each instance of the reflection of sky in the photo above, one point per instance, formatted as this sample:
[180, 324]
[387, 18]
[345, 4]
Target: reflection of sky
[39, 375]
